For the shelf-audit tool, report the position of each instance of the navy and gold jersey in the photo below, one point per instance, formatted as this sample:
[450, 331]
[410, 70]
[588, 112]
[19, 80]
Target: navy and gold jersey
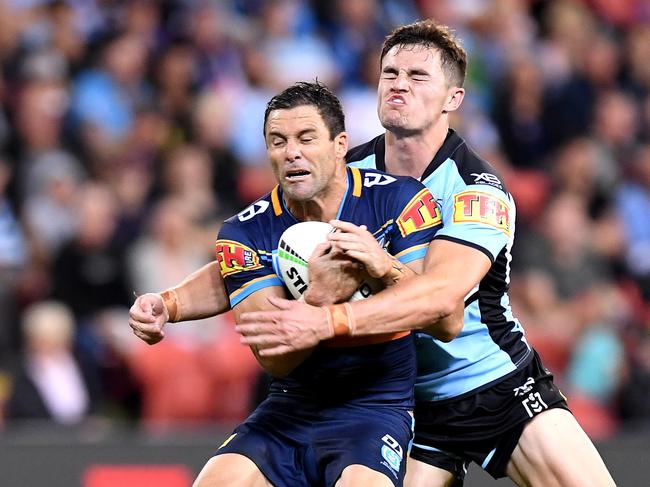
[401, 214]
[477, 211]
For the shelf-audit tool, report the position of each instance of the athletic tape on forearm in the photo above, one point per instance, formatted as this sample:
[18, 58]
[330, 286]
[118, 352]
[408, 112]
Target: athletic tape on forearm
[341, 319]
[170, 300]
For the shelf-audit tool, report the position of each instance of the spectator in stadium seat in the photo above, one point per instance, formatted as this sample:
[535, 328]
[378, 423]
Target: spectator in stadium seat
[53, 382]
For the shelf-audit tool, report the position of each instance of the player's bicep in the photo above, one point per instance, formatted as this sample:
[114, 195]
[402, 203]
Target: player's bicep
[462, 267]
[281, 365]
[258, 301]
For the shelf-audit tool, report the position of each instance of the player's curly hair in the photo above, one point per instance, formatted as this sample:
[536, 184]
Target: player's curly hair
[310, 93]
[430, 34]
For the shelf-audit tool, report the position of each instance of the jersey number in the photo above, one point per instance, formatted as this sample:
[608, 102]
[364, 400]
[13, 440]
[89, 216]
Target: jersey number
[374, 179]
[254, 209]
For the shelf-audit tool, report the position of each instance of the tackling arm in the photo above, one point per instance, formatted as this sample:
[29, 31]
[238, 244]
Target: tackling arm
[429, 301]
[433, 301]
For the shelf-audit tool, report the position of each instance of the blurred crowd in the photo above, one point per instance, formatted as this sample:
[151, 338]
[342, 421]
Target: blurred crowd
[130, 129]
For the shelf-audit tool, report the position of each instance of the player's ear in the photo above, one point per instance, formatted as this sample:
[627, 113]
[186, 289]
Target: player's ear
[455, 97]
[341, 144]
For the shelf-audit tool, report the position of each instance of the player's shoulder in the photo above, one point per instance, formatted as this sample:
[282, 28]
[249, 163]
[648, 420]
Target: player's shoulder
[367, 152]
[247, 223]
[474, 170]
[380, 182]
[260, 211]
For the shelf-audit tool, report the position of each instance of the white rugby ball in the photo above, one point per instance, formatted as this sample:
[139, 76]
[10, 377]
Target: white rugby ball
[295, 247]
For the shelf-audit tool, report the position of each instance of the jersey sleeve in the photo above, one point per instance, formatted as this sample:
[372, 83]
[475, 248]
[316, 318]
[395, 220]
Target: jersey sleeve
[242, 269]
[480, 216]
[417, 219]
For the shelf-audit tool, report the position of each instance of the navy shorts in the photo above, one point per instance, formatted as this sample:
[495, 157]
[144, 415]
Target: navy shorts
[485, 426]
[295, 443]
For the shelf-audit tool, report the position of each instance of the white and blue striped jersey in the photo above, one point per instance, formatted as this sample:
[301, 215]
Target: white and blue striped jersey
[477, 211]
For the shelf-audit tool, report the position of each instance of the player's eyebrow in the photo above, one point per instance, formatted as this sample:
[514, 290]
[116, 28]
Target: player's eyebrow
[275, 133]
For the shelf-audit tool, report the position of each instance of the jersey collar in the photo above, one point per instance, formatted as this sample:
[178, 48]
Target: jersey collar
[354, 185]
[452, 142]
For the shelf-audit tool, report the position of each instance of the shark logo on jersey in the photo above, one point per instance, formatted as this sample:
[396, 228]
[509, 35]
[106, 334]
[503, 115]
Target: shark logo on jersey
[479, 207]
[235, 257]
[525, 388]
[420, 213]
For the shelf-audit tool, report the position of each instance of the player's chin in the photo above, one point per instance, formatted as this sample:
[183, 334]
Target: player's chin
[392, 120]
[299, 192]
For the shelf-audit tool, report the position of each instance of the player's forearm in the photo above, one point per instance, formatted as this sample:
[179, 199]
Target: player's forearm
[416, 303]
[201, 294]
[430, 301]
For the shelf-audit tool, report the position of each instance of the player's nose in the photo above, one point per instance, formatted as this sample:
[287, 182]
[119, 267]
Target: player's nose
[401, 82]
[292, 150]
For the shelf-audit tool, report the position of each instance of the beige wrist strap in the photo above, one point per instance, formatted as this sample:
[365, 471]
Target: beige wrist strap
[172, 304]
[341, 319]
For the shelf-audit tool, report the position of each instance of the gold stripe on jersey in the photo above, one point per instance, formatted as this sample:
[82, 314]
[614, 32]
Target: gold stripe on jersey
[356, 181]
[275, 199]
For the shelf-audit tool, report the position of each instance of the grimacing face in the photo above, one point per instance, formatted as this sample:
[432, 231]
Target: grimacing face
[301, 153]
[412, 90]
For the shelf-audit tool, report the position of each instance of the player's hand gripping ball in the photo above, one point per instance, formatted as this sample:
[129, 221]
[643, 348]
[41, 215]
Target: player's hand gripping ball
[296, 246]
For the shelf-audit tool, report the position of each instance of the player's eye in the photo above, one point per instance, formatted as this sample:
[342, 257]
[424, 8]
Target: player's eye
[306, 140]
[420, 77]
[277, 142]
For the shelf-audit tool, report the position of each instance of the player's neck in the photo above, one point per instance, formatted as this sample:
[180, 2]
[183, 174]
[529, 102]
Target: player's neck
[325, 205]
[411, 154]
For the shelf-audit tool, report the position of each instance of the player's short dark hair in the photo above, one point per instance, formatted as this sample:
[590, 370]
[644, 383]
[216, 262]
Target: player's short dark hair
[429, 33]
[314, 94]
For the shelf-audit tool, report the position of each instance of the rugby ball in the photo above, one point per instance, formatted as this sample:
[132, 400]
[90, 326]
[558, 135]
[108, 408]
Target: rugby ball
[295, 247]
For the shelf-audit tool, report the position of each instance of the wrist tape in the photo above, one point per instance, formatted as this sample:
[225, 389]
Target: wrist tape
[341, 319]
[170, 300]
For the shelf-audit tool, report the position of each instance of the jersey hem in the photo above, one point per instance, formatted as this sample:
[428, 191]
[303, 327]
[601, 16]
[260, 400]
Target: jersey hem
[521, 363]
